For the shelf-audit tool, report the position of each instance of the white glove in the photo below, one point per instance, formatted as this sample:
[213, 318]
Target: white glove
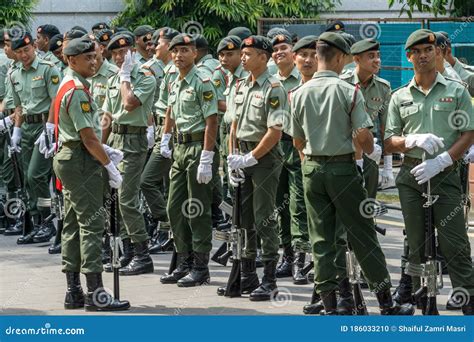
[386, 176]
[237, 161]
[115, 178]
[376, 154]
[16, 138]
[150, 136]
[470, 155]
[127, 66]
[429, 142]
[41, 141]
[431, 167]
[115, 155]
[164, 145]
[204, 172]
[236, 177]
[8, 121]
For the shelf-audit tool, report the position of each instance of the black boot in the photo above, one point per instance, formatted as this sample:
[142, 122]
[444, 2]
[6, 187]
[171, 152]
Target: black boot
[258, 259]
[389, 307]
[97, 299]
[345, 302]
[199, 274]
[268, 288]
[74, 295]
[45, 233]
[284, 269]
[55, 249]
[126, 257]
[298, 277]
[403, 292]
[468, 309]
[329, 300]
[184, 263]
[248, 278]
[158, 242]
[15, 227]
[141, 262]
[315, 306]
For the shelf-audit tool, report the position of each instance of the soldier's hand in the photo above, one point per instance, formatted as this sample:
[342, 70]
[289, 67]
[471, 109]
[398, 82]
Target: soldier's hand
[115, 155]
[164, 145]
[204, 172]
[470, 155]
[16, 139]
[115, 178]
[376, 153]
[236, 177]
[429, 142]
[236, 161]
[387, 180]
[150, 136]
[127, 67]
[431, 167]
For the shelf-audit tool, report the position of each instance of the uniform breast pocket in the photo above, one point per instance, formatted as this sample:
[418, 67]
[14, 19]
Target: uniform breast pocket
[18, 88]
[38, 88]
[257, 108]
[189, 102]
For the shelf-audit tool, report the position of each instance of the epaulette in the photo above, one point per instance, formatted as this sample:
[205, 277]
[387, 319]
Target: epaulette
[403, 86]
[455, 80]
[42, 61]
[382, 80]
[347, 74]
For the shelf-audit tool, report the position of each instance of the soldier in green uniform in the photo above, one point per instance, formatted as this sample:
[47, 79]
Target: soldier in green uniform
[128, 106]
[56, 48]
[143, 36]
[465, 72]
[290, 198]
[35, 84]
[44, 34]
[412, 130]
[193, 115]
[204, 59]
[79, 165]
[103, 37]
[260, 107]
[272, 33]
[325, 113]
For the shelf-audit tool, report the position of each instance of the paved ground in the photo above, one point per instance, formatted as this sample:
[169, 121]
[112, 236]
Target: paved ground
[31, 283]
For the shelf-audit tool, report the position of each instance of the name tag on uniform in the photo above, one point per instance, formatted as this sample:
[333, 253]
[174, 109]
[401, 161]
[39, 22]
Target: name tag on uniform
[38, 78]
[258, 95]
[406, 104]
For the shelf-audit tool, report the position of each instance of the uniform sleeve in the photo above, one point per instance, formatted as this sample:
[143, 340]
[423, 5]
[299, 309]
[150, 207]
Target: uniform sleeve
[208, 100]
[218, 80]
[295, 127]
[144, 88]
[80, 110]
[359, 116]
[394, 125]
[465, 111]
[15, 95]
[277, 107]
[384, 110]
[107, 106]
[53, 81]
[3, 77]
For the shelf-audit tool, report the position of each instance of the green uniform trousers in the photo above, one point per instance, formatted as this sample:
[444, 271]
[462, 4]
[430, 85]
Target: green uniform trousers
[36, 169]
[6, 165]
[189, 203]
[134, 148]
[81, 239]
[258, 206]
[335, 188]
[448, 220]
[290, 201]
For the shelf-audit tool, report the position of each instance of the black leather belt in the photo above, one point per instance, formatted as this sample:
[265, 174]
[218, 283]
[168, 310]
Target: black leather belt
[35, 118]
[74, 144]
[247, 146]
[159, 120]
[331, 159]
[186, 138]
[127, 129]
[286, 137]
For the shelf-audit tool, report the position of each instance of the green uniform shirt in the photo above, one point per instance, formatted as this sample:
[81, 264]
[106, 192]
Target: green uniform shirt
[157, 68]
[170, 75]
[272, 67]
[33, 89]
[220, 79]
[4, 65]
[8, 102]
[229, 92]
[208, 64]
[377, 98]
[445, 111]
[50, 57]
[143, 85]
[348, 68]
[99, 81]
[291, 81]
[78, 110]
[321, 115]
[140, 59]
[259, 105]
[192, 100]
[466, 73]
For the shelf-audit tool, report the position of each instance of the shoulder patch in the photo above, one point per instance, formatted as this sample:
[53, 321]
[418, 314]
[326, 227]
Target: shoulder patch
[55, 79]
[383, 81]
[208, 95]
[274, 102]
[217, 83]
[85, 107]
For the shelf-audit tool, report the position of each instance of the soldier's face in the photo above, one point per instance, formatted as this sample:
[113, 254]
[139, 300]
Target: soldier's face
[161, 49]
[282, 54]
[150, 48]
[8, 50]
[183, 56]
[26, 55]
[118, 55]
[306, 61]
[229, 59]
[42, 42]
[369, 61]
[423, 57]
[252, 59]
[84, 64]
[59, 53]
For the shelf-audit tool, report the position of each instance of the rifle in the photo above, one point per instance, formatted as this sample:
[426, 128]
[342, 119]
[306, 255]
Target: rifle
[466, 198]
[20, 192]
[115, 241]
[57, 210]
[224, 252]
[431, 268]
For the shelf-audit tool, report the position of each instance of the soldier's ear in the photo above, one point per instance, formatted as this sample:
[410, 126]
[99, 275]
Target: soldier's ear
[408, 54]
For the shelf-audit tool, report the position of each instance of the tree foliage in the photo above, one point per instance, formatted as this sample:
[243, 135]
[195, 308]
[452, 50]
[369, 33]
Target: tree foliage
[16, 12]
[457, 8]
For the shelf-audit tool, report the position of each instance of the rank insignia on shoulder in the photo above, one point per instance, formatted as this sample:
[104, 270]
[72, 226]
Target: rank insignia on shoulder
[446, 99]
[208, 95]
[55, 79]
[85, 106]
[274, 102]
[217, 83]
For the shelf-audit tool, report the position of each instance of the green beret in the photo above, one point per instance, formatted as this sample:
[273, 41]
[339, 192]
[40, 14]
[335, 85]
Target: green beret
[78, 28]
[335, 26]
[79, 46]
[120, 40]
[143, 30]
[349, 38]
[181, 39]
[73, 34]
[148, 37]
[100, 26]
[336, 40]
[282, 38]
[201, 42]
[276, 31]
[241, 32]
[104, 36]
[167, 33]
[441, 40]
[365, 45]
[422, 36]
[308, 42]
[22, 39]
[229, 43]
[56, 42]
[48, 30]
[257, 42]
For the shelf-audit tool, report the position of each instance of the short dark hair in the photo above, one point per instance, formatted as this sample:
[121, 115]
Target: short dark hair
[326, 52]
